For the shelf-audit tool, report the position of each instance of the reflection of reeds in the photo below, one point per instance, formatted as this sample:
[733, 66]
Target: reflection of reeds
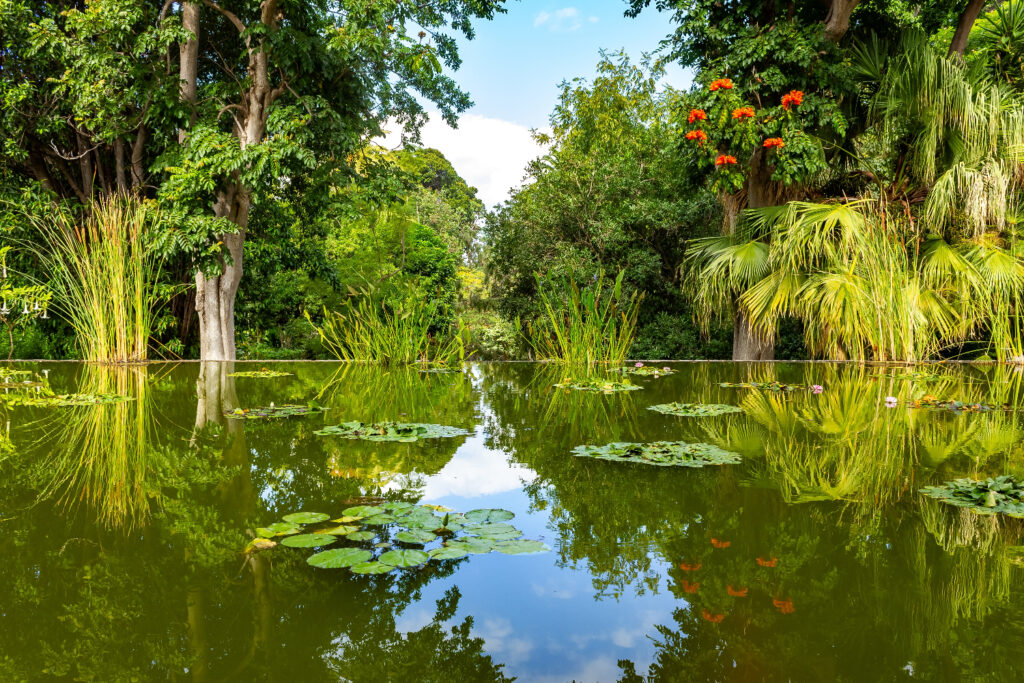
[102, 454]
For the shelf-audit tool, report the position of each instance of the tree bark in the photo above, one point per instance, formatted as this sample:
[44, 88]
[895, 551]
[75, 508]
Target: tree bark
[964, 26]
[746, 343]
[122, 180]
[188, 60]
[837, 23]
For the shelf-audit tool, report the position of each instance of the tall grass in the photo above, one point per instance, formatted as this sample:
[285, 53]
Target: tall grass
[102, 273]
[587, 326]
[389, 333]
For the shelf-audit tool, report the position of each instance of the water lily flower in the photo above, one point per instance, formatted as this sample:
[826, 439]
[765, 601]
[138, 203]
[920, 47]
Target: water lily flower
[817, 388]
[666, 368]
[713, 618]
[891, 401]
[720, 544]
[767, 563]
[639, 364]
[737, 592]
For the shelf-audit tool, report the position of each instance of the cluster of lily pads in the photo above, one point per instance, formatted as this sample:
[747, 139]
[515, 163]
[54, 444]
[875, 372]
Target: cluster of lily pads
[605, 386]
[777, 387]
[262, 373]
[395, 535]
[1000, 495]
[661, 453]
[916, 376]
[694, 409]
[391, 431]
[47, 399]
[646, 370]
[273, 411]
[957, 406]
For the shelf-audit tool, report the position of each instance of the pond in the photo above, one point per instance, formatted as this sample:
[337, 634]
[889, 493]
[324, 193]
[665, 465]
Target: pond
[124, 525]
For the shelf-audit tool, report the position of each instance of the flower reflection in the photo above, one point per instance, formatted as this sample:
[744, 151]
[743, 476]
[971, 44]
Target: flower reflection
[767, 563]
[720, 544]
[713, 618]
[690, 587]
[737, 592]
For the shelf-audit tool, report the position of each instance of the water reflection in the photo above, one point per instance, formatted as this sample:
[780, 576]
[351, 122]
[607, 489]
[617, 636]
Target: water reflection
[816, 558]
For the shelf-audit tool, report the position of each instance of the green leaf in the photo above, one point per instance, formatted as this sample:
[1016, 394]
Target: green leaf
[283, 528]
[694, 409]
[661, 453]
[362, 511]
[448, 553]
[489, 515]
[308, 540]
[339, 557]
[391, 431]
[371, 568]
[306, 517]
[361, 536]
[342, 530]
[415, 536]
[404, 558]
[521, 547]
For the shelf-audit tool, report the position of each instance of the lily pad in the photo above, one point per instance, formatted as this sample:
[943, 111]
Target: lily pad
[346, 519]
[1000, 495]
[955, 406]
[361, 511]
[694, 409]
[378, 520]
[777, 387]
[415, 536]
[646, 371]
[489, 515]
[264, 532]
[397, 505]
[404, 558]
[262, 373]
[306, 517]
[492, 530]
[476, 546]
[371, 568]
[391, 431]
[283, 528]
[343, 530]
[361, 536]
[661, 453]
[604, 386]
[339, 557]
[448, 553]
[308, 540]
[521, 547]
[272, 411]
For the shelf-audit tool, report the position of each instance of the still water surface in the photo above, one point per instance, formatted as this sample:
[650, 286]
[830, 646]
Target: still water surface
[122, 530]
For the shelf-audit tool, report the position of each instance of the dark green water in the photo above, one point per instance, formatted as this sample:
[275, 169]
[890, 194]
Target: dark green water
[122, 529]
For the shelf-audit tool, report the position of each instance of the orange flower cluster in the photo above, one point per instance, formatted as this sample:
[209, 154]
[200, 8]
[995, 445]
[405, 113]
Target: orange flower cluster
[737, 592]
[793, 98]
[697, 115]
[743, 113]
[767, 563]
[725, 159]
[723, 83]
[698, 135]
[714, 541]
[774, 142]
[784, 606]
[713, 618]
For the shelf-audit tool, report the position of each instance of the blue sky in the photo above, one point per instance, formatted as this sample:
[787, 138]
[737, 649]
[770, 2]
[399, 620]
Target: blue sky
[512, 70]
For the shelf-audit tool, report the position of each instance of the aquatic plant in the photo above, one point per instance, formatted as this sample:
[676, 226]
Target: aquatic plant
[391, 431]
[955, 406]
[694, 409]
[595, 324]
[646, 370]
[368, 328]
[46, 399]
[661, 453]
[448, 536]
[777, 387]
[103, 274]
[272, 411]
[262, 373]
[605, 386]
[1000, 495]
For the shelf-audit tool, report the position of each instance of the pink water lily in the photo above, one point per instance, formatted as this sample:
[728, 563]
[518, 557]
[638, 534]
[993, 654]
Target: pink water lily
[817, 388]
[890, 401]
[639, 364]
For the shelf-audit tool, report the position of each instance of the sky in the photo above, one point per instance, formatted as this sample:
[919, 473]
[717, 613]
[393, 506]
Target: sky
[512, 70]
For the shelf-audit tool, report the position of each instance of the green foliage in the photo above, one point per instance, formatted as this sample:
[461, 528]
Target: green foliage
[1001, 495]
[272, 411]
[585, 327]
[694, 409]
[391, 431]
[660, 453]
[598, 384]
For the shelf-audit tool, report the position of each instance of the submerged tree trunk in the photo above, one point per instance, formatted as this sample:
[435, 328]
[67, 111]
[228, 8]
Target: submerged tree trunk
[963, 27]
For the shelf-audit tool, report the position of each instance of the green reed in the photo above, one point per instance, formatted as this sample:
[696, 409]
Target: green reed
[103, 272]
[366, 329]
[585, 326]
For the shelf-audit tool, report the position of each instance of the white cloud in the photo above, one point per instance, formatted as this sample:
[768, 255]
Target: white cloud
[491, 154]
[565, 19]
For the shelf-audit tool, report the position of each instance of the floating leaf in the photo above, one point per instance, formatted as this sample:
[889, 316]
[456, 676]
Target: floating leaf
[646, 371]
[605, 386]
[264, 532]
[308, 540]
[404, 558]
[391, 431]
[343, 530]
[415, 536]
[476, 546]
[397, 505]
[371, 568]
[662, 453]
[448, 553]
[262, 373]
[694, 409]
[521, 547]
[489, 515]
[361, 536]
[777, 387]
[339, 557]
[346, 519]
[492, 530]
[1000, 495]
[360, 511]
[306, 517]
[283, 528]
[272, 411]
[378, 520]
[957, 406]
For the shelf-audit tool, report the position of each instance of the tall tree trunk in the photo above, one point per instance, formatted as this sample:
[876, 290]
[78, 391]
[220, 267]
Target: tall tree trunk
[138, 148]
[747, 344]
[188, 60]
[837, 23]
[963, 27]
[122, 180]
